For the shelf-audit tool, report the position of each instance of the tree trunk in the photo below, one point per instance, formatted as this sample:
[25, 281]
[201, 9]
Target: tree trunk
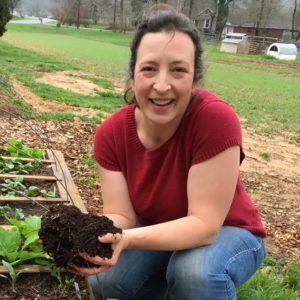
[222, 15]
[122, 16]
[191, 8]
[115, 10]
[259, 16]
[293, 20]
[78, 14]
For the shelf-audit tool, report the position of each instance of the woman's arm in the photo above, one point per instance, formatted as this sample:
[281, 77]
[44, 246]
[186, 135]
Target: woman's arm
[116, 201]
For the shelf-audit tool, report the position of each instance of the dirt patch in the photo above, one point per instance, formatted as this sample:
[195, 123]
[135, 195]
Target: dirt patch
[44, 286]
[273, 64]
[273, 184]
[59, 79]
[74, 84]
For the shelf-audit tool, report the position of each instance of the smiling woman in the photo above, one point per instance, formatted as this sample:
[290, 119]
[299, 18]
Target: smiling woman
[169, 168]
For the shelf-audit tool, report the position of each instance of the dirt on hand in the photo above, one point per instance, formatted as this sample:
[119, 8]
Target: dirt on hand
[66, 231]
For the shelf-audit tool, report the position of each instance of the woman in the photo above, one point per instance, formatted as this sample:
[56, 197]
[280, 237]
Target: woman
[169, 169]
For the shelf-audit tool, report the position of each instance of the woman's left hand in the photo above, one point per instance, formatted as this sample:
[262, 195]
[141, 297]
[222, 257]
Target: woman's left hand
[118, 244]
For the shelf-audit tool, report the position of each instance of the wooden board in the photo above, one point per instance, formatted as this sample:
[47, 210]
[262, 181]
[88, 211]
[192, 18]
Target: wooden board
[24, 199]
[66, 186]
[30, 177]
[29, 159]
[68, 193]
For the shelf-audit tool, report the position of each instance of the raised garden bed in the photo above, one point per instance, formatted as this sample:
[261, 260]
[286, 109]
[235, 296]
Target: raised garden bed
[35, 281]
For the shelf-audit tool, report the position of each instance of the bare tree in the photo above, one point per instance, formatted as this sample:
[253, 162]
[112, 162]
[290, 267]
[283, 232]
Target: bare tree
[78, 8]
[13, 4]
[294, 36]
[260, 13]
[222, 15]
[115, 13]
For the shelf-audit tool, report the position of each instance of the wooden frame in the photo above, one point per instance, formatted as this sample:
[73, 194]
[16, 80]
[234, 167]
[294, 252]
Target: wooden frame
[66, 188]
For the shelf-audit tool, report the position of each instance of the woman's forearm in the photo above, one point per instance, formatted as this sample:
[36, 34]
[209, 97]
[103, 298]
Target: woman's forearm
[183, 233]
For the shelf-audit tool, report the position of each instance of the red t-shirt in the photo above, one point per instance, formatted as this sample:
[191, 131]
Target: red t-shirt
[157, 179]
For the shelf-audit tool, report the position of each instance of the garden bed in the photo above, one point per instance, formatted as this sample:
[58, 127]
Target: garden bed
[37, 281]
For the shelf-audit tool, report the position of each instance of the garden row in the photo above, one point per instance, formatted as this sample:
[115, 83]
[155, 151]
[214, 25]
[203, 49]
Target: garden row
[33, 180]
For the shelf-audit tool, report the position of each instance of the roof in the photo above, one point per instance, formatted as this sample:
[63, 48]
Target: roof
[232, 41]
[233, 34]
[289, 49]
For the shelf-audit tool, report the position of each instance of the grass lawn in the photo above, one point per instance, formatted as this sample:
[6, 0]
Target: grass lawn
[263, 96]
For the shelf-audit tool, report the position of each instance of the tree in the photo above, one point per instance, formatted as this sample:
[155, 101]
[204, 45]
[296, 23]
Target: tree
[222, 15]
[5, 15]
[13, 4]
[294, 36]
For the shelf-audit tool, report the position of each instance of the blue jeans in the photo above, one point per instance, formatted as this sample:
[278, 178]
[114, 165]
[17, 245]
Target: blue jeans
[208, 273]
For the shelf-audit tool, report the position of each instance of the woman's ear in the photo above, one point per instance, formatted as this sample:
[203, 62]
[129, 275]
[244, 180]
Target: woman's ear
[132, 84]
[194, 86]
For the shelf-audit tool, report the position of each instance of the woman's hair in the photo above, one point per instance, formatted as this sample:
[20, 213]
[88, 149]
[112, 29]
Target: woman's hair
[164, 18]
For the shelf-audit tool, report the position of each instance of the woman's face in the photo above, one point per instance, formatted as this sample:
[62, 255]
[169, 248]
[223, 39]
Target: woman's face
[163, 76]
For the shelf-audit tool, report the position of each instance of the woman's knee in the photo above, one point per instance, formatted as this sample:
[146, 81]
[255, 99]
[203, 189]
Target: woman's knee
[235, 259]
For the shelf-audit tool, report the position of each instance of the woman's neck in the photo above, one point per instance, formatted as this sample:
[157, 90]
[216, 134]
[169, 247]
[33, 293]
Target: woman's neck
[153, 135]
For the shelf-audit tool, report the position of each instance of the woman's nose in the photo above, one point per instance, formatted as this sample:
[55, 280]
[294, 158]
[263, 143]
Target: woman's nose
[162, 84]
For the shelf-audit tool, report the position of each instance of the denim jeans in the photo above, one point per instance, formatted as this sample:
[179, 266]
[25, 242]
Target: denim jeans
[208, 273]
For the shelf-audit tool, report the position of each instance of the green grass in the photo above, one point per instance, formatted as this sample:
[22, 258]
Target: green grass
[265, 97]
[95, 32]
[273, 281]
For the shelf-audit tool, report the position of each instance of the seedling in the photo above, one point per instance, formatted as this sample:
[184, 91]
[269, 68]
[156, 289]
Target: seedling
[47, 194]
[16, 166]
[15, 184]
[13, 275]
[7, 212]
[18, 149]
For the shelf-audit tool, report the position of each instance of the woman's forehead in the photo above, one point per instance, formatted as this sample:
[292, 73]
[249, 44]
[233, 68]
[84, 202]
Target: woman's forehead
[176, 45]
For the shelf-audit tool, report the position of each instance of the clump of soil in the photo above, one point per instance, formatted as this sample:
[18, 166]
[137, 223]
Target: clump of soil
[66, 231]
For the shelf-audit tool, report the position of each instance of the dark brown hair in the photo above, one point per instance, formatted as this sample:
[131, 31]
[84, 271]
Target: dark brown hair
[165, 18]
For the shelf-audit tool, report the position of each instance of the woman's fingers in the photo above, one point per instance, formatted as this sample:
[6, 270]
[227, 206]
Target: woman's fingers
[109, 238]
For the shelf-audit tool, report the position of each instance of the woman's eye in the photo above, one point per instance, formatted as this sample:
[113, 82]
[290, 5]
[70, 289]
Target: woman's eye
[147, 69]
[179, 70]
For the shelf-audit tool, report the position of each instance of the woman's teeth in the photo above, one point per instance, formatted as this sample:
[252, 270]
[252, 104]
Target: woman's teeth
[161, 102]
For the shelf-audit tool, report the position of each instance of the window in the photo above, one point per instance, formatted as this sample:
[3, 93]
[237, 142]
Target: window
[206, 23]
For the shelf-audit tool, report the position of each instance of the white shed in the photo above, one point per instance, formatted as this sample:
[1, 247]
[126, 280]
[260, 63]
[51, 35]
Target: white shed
[283, 51]
[235, 43]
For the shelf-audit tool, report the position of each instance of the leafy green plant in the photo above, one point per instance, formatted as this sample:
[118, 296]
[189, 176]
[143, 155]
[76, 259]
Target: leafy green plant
[7, 212]
[21, 242]
[63, 282]
[10, 184]
[30, 191]
[13, 187]
[18, 149]
[16, 166]
[47, 194]
[13, 275]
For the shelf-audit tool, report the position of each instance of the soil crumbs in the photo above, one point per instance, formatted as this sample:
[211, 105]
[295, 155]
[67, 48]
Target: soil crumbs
[273, 185]
[66, 231]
